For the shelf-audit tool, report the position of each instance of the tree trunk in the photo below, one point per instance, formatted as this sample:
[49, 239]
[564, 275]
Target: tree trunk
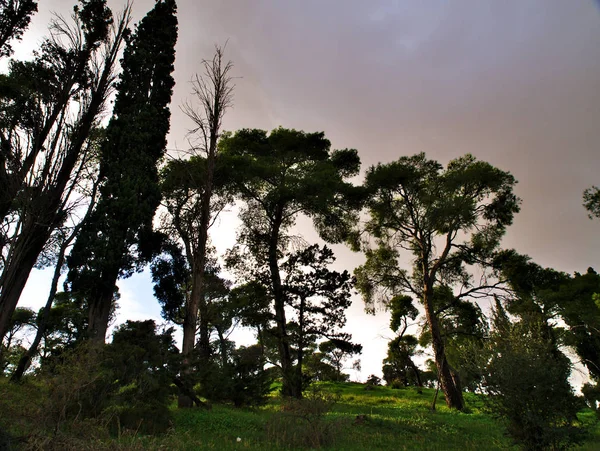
[222, 346]
[16, 272]
[416, 372]
[25, 359]
[298, 375]
[261, 342]
[283, 345]
[197, 301]
[452, 393]
[49, 204]
[100, 305]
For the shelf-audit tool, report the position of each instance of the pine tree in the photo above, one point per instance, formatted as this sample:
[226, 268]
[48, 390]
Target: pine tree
[117, 238]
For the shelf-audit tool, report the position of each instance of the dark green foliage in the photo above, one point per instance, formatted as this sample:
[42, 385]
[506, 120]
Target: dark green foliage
[118, 238]
[15, 16]
[67, 324]
[446, 220]
[550, 295]
[280, 176]
[335, 352]
[399, 369]
[373, 381]
[296, 172]
[241, 380]
[126, 384]
[578, 300]
[143, 364]
[315, 368]
[591, 201]
[527, 383]
[171, 277]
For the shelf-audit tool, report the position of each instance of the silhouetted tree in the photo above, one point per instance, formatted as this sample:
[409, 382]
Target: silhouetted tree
[319, 298]
[15, 16]
[214, 93]
[281, 175]
[118, 238]
[591, 201]
[336, 352]
[398, 366]
[49, 109]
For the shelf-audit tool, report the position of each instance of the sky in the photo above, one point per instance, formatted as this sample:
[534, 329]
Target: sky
[516, 83]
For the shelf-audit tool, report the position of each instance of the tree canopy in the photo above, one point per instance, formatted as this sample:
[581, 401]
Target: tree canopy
[446, 220]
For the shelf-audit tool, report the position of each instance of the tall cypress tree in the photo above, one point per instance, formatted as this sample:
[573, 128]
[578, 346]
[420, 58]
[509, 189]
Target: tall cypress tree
[115, 240]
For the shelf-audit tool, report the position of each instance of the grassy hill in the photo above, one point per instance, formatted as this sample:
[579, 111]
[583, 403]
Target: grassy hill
[335, 417]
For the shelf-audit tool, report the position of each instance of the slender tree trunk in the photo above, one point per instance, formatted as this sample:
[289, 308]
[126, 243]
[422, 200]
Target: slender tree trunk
[15, 274]
[214, 94]
[416, 372]
[191, 313]
[452, 393]
[437, 391]
[197, 301]
[298, 375]
[283, 344]
[261, 342]
[25, 359]
[196, 305]
[222, 346]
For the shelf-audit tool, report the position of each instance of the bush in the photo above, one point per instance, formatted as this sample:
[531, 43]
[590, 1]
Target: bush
[144, 364]
[123, 385]
[527, 383]
[78, 385]
[372, 382]
[243, 380]
[303, 422]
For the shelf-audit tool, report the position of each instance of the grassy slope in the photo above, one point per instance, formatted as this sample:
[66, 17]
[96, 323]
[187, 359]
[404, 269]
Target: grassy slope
[395, 420]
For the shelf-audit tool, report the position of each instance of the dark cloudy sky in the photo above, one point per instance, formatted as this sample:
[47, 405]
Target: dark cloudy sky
[515, 82]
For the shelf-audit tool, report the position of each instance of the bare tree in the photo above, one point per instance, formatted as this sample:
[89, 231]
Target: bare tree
[193, 204]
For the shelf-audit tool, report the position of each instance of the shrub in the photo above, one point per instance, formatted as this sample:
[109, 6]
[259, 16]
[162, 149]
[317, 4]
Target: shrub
[372, 382]
[144, 364]
[527, 383]
[243, 380]
[125, 385]
[303, 422]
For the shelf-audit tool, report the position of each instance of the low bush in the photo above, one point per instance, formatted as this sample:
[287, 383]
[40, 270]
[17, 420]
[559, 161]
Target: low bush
[303, 422]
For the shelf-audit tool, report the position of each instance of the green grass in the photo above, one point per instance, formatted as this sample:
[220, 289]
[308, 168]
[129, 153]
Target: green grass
[387, 420]
[394, 420]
